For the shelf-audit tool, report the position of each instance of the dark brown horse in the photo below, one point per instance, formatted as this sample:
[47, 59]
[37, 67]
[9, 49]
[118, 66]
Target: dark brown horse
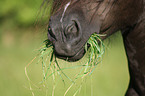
[73, 21]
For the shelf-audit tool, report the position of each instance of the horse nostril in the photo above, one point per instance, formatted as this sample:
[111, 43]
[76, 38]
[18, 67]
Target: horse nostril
[51, 34]
[72, 30]
[49, 20]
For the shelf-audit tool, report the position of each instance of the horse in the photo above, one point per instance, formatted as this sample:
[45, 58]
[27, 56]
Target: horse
[73, 21]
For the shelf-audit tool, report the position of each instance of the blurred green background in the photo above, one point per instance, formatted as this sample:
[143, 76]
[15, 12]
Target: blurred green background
[23, 29]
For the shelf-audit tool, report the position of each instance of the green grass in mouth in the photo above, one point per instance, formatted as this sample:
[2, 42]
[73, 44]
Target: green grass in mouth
[51, 67]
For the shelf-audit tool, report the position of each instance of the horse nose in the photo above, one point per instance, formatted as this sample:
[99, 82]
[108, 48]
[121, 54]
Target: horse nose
[63, 49]
[73, 32]
[51, 35]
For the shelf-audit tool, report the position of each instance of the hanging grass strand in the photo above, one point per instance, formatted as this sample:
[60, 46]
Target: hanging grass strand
[95, 49]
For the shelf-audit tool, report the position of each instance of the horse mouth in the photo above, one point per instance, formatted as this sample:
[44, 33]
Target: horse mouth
[74, 58]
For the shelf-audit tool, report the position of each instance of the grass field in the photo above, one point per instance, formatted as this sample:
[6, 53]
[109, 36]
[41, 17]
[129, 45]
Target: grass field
[17, 49]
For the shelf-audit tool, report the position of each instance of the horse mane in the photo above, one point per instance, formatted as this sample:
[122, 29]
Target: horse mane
[56, 5]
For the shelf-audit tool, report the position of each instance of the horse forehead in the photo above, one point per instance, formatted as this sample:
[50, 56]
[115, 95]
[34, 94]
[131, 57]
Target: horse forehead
[59, 4]
[89, 7]
[92, 6]
[65, 8]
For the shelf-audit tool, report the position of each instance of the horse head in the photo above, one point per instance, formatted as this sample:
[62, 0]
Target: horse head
[73, 22]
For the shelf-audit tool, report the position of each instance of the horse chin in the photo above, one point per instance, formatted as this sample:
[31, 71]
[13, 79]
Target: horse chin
[74, 58]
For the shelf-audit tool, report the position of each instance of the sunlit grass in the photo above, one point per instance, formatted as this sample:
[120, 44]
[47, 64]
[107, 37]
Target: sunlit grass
[52, 69]
[112, 70]
[96, 51]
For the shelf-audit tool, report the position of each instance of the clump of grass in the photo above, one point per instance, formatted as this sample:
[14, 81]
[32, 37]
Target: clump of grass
[96, 51]
[46, 54]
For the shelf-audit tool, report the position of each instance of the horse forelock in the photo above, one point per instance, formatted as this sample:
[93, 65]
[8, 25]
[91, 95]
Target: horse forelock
[59, 4]
[93, 7]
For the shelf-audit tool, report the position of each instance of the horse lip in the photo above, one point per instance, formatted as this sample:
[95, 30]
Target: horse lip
[79, 51]
[73, 58]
